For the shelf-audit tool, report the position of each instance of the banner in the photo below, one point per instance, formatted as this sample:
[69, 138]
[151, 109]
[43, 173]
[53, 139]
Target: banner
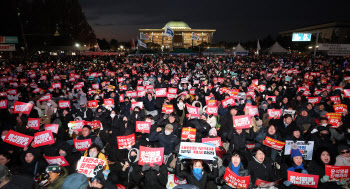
[161, 92]
[51, 127]
[151, 155]
[12, 91]
[3, 104]
[25, 108]
[211, 103]
[303, 180]
[108, 102]
[340, 108]
[188, 133]
[230, 101]
[265, 184]
[18, 139]
[76, 125]
[172, 90]
[274, 112]
[194, 150]
[56, 85]
[43, 138]
[126, 141]
[192, 110]
[92, 104]
[212, 110]
[86, 165]
[272, 97]
[306, 149]
[253, 111]
[216, 141]
[46, 97]
[347, 93]
[334, 119]
[135, 104]
[143, 126]
[64, 104]
[235, 181]
[195, 36]
[33, 123]
[290, 112]
[272, 143]
[337, 173]
[94, 124]
[167, 109]
[82, 145]
[168, 32]
[314, 100]
[7, 47]
[142, 44]
[242, 122]
[60, 160]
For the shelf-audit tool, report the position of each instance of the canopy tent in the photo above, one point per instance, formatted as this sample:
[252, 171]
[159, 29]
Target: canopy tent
[277, 48]
[239, 50]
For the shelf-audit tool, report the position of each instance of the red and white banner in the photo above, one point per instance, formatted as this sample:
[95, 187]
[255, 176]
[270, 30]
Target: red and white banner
[347, 93]
[82, 145]
[135, 104]
[108, 102]
[125, 141]
[3, 94]
[253, 110]
[86, 165]
[92, 104]
[143, 126]
[265, 184]
[303, 180]
[161, 92]
[272, 143]
[235, 181]
[272, 97]
[43, 138]
[314, 100]
[33, 123]
[63, 104]
[192, 91]
[43, 77]
[123, 87]
[262, 88]
[12, 91]
[171, 95]
[192, 110]
[56, 77]
[94, 124]
[211, 103]
[334, 119]
[56, 85]
[167, 109]
[212, 110]
[51, 127]
[216, 141]
[46, 97]
[335, 99]
[229, 101]
[317, 92]
[188, 133]
[60, 160]
[340, 108]
[274, 112]
[3, 104]
[18, 139]
[242, 122]
[172, 90]
[151, 155]
[140, 88]
[337, 173]
[25, 108]
[95, 86]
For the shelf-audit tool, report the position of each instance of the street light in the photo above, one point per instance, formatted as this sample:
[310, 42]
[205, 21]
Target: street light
[310, 47]
[77, 45]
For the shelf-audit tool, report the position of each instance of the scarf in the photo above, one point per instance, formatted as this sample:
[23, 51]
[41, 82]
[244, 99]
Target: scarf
[296, 167]
[235, 169]
[197, 172]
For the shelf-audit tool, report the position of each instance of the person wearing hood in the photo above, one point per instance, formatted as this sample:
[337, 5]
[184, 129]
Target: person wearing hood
[263, 113]
[322, 156]
[165, 138]
[137, 115]
[134, 169]
[155, 177]
[125, 107]
[66, 150]
[94, 151]
[87, 133]
[343, 159]
[227, 123]
[201, 126]
[32, 163]
[270, 131]
[100, 180]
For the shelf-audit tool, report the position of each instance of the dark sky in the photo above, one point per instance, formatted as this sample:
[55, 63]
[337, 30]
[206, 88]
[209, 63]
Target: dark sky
[233, 20]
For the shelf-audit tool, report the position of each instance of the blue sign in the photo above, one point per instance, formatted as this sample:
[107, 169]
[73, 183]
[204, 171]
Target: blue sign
[8, 39]
[301, 37]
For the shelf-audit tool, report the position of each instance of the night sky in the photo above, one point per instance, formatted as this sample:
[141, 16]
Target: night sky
[233, 20]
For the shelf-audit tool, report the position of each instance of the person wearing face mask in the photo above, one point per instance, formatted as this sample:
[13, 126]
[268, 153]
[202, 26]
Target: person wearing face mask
[6, 147]
[85, 112]
[171, 119]
[149, 103]
[95, 152]
[165, 138]
[180, 108]
[323, 138]
[137, 115]
[133, 170]
[66, 150]
[220, 151]
[125, 107]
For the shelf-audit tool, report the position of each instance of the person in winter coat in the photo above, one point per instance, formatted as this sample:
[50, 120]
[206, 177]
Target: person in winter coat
[170, 119]
[226, 122]
[201, 126]
[95, 152]
[295, 135]
[66, 150]
[284, 125]
[305, 122]
[100, 180]
[87, 133]
[270, 131]
[198, 176]
[125, 107]
[237, 164]
[238, 139]
[9, 181]
[31, 163]
[57, 175]
[154, 177]
[134, 169]
[85, 113]
[260, 167]
[343, 159]
[166, 138]
[321, 157]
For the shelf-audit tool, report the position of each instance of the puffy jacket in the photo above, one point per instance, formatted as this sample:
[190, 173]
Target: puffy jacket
[169, 142]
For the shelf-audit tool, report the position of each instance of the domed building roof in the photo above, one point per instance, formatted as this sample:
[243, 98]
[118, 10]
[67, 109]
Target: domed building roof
[177, 24]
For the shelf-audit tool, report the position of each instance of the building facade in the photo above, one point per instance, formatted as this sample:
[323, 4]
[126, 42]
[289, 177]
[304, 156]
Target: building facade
[182, 35]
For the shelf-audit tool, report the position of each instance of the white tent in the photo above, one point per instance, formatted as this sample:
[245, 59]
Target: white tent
[239, 50]
[277, 48]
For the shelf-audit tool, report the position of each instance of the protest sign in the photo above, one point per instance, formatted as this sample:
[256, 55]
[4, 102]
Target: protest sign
[192, 110]
[212, 110]
[43, 138]
[216, 141]
[272, 143]
[337, 173]
[335, 99]
[235, 181]
[92, 104]
[211, 103]
[161, 92]
[314, 100]
[272, 97]
[76, 125]
[303, 180]
[334, 119]
[51, 127]
[86, 165]
[63, 104]
[151, 155]
[250, 146]
[188, 133]
[108, 102]
[306, 149]
[135, 104]
[46, 97]
[172, 90]
[242, 122]
[126, 141]
[33, 123]
[229, 101]
[94, 124]
[12, 91]
[25, 108]
[193, 150]
[143, 126]
[171, 95]
[253, 110]
[274, 112]
[82, 145]
[265, 184]
[56, 85]
[167, 109]
[290, 112]
[18, 139]
[340, 108]
[60, 160]
[3, 104]
[347, 93]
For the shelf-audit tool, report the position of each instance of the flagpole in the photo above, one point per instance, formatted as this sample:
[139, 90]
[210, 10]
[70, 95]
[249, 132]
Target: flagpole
[138, 46]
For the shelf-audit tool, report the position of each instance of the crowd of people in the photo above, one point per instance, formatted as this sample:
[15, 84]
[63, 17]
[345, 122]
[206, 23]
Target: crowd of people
[287, 84]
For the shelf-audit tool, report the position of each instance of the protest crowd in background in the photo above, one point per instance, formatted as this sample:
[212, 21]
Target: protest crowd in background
[164, 121]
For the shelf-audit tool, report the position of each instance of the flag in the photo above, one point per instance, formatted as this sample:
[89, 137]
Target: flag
[132, 43]
[168, 32]
[258, 47]
[142, 44]
[195, 36]
[144, 36]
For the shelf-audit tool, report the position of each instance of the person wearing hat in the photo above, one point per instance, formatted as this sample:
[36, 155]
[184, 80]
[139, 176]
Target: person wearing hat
[343, 159]
[165, 138]
[57, 175]
[76, 180]
[9, 181]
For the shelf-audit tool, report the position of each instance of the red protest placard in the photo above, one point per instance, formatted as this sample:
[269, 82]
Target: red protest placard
[167, 109]
[76, 125]
[347, 93]
[314, 100]
[92, 103]
[119, 186]
[56, 77]
[265, 184]
[60, 160]
[211, 103]
[143, 126]
[274, 112]
[172, 90]
[135, 104]
[46, 97]
[12, 91]
[303, 180]
[3, 104]
[56, 85]
[337, 173]
[272, 143]
[94, 124]
[335, 99]
[262, 88]
[51, 127]
[212, 110]
[151, 155]
[131, 94]
[171, 95]
[229, 101]
[192, 110]
[33, 123]
[18, 139]
[242, 122]
[25, 108]
[235, 181]
[63, 104]
[82, 145]
[108, 102]
[192, 92]
[340, 108]
[272, 97]
[3, 94]
[188, 133]
[161, 92]
[216, 141]
[43, 138]
[140, 88]
[123, 87]
[126, 141]
[334, 119]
